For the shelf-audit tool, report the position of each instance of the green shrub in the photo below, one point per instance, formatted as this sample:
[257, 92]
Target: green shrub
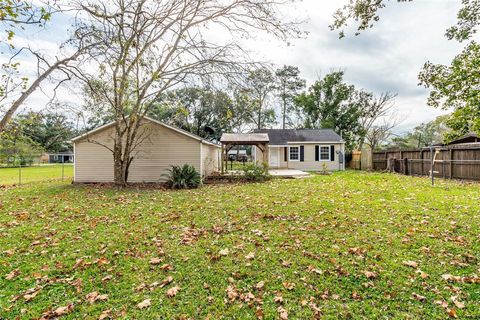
[255, 173]
[185, 177]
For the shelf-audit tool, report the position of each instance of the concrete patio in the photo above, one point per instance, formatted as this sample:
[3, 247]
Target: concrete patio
[288, 173]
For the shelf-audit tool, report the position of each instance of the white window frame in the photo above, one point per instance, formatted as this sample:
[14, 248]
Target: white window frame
[320, 153]
[290, 153]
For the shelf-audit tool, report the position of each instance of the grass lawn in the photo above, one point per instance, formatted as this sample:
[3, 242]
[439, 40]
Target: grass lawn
[349, 245]
[9, 176]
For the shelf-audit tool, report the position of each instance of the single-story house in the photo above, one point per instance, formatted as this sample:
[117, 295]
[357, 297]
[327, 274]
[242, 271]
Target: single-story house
[468, 138]
[303, 149]
[237, 155]
[160, 146]
[61, 157]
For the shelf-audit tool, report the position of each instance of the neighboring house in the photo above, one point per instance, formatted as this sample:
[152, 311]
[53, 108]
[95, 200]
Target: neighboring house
[303, 149]
[161, 146]
[237, 155]
[468, 138]
[62, 157]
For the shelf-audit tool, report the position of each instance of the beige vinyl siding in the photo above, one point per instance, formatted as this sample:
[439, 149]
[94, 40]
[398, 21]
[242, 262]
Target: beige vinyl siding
[93, 162]
[309, 156]
[161, 148]
[210, 158]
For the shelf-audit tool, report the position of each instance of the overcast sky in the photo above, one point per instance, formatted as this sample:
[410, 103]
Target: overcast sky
[385, 58]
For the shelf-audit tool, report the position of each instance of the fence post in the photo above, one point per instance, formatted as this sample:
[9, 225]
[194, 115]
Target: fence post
[451, 162]
[20, 173]
[405, 166]
[401, 164]
[432, 166]
[421, 167]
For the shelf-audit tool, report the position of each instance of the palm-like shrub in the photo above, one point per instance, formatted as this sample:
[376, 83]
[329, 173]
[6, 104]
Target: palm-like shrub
[184, 177]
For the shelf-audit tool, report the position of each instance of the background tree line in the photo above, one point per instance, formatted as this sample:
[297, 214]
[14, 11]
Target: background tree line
[143, 54]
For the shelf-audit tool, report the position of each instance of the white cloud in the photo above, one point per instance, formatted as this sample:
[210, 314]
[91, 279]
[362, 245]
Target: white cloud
[387, 57]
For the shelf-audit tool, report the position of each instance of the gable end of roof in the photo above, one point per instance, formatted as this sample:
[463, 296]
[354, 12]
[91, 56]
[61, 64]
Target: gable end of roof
[181, 131]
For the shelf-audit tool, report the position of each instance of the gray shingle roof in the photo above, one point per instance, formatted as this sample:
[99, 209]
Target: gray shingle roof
[244, 137]
[283, 136]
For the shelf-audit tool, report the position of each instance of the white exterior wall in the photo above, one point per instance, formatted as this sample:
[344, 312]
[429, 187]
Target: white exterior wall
[162, 148]
[210, 159]
[309, 163]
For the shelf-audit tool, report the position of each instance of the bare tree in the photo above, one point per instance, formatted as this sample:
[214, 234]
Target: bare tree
[150, 46]
[373, 109]
[382, 132]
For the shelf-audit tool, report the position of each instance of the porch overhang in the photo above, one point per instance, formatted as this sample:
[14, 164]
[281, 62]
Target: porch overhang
[229, 140]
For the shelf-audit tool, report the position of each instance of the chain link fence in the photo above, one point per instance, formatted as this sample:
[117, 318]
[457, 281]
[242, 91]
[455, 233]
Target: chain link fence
[21, 169]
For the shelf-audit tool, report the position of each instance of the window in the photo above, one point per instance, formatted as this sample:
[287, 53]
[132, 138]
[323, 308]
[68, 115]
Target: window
[324, 153]
[294, 153]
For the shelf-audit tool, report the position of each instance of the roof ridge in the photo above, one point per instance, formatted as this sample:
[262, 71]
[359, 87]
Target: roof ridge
[306, 129]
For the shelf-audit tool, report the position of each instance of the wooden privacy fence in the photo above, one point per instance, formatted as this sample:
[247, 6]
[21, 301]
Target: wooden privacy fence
[453, 162]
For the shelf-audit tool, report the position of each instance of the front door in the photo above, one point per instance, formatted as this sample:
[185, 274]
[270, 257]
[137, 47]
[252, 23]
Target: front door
[274, 158]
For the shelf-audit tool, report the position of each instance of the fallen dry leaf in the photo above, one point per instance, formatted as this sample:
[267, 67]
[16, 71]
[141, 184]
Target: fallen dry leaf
[155, 261]
[442, 303]
[370, 274]
[458, 304]
[224, 252]
[95, 296]
[452, 313]
[466, 279]
[286, 263]
[419, 297]
[423, 275]
[278, 298]
[311, 268]
[259, 313]
[260, 285]
[107, 278]
[172, 292]
[282, 313]
[288, 285]
[13, 274]
[250, 256]
[166, 267]
[409, 263]
[107, 314]
[166, 281]
[60, 311]
[232, 293]
[144, 304]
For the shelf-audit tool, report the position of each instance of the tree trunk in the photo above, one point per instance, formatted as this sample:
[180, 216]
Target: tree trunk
[284, 113]
[118, 165]
[259, 117]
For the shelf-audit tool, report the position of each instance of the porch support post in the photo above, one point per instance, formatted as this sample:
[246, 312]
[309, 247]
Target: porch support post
[221, 158]
[266, 154]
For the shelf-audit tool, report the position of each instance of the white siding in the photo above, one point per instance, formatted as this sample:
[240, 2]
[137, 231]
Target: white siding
[211, 159]
[161, 148]
[309, 156]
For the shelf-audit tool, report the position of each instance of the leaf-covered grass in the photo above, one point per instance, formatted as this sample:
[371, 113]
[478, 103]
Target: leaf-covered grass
[360, 245]
[9, 176]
